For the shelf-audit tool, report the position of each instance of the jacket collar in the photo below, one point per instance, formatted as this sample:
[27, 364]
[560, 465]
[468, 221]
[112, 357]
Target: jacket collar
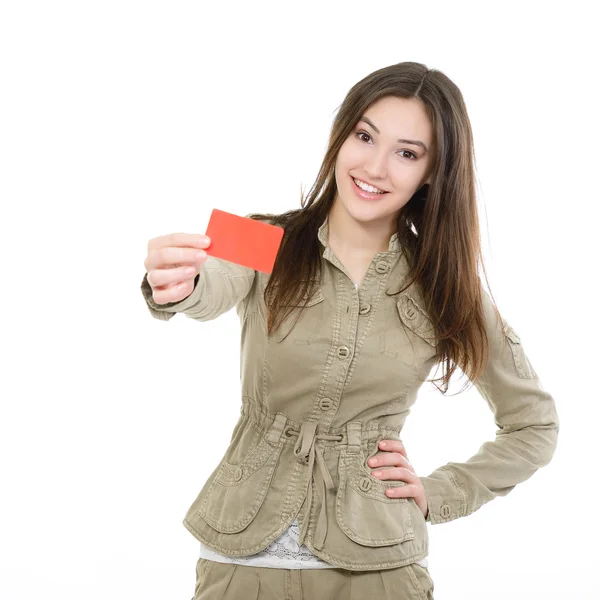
[394, 244]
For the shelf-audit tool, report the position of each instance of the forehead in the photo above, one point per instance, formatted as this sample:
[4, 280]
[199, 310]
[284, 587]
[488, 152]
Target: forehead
[401, 118]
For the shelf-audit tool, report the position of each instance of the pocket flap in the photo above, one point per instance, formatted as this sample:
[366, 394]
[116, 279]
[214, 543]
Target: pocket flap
[307, 299]
[511, 334]
[522, 363]
[363, 511]
[238, 490]
[317, 297]
[415, 318]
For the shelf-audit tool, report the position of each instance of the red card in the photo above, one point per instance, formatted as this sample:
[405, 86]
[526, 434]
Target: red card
[243, 241]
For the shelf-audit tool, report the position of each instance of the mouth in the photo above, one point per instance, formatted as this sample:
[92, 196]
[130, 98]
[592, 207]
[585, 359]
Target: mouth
[364, 194]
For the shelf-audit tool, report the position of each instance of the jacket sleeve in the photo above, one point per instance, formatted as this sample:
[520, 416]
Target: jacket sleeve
[527, 421]
[218, 287]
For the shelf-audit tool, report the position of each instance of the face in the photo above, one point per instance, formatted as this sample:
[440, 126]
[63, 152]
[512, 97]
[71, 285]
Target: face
[373, 154]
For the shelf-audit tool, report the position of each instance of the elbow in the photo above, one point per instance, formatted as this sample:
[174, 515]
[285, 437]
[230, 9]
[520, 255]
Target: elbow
[548, 442]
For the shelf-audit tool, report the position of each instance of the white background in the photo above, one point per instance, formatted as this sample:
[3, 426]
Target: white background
[124, 120]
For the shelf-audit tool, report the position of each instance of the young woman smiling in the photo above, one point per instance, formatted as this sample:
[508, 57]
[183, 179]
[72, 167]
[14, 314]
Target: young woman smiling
[315, 496]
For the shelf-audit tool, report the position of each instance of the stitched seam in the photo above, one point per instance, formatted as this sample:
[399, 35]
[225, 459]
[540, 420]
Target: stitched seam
[228, 275]
[361, 566]
[415, 581]
[316, 412]
[368, 325]
[459, 487]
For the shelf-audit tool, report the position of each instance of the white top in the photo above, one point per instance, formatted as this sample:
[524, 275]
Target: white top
[283, 553]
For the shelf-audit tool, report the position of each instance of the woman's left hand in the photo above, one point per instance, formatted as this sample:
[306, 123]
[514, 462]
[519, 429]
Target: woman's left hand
[394, 454]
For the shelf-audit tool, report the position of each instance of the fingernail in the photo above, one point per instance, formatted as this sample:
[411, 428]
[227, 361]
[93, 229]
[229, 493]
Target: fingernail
[377, 473]
[383, 444]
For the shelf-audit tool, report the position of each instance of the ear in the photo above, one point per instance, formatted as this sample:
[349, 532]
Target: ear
[429, 175]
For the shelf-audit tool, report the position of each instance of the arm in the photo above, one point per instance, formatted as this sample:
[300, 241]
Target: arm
[527, 422]
[218, 287]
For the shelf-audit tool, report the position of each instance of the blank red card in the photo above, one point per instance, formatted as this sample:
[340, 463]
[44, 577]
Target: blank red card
[243, 241]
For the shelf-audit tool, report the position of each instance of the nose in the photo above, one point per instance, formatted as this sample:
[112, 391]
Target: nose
[375, 167]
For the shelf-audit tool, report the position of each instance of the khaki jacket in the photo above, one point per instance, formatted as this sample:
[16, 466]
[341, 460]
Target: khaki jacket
[315, 406]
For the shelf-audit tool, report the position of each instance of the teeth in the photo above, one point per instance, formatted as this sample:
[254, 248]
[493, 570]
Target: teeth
[367, 188]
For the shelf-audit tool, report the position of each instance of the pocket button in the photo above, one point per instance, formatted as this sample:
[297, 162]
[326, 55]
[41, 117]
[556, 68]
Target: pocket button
[410, 312]
[325, 403]
[238, 474]
[445, 510]
[365, 484]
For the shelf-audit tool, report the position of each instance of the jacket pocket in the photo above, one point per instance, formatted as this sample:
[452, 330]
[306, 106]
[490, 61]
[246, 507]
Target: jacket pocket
[238, 490]
[522, 364]
[306, 300]
[305, 323]
[363, 511]
[410, 335]
[310, 300]
[415, 318]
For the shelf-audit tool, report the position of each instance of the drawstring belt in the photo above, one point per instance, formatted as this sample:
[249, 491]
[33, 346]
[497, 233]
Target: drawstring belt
[306, 450]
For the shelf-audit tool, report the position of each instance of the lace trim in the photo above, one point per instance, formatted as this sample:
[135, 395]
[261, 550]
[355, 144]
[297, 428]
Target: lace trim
[284, 553]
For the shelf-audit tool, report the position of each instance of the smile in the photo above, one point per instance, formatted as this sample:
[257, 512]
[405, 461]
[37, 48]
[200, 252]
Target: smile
[367, 186]
[366, 194]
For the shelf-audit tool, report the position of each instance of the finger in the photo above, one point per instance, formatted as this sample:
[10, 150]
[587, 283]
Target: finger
[166, 278]
[173, 293]
[402, 491]
[389, 458]
[394, 445]
[395, 474]
[169, 257]
[179, 240]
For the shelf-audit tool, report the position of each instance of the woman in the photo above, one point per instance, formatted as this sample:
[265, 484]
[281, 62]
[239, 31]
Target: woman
[315, 496]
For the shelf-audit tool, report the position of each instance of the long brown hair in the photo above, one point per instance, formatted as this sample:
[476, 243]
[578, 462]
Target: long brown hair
[439, 226]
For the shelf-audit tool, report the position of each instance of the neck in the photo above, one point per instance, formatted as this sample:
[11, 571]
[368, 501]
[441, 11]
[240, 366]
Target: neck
[353, 237]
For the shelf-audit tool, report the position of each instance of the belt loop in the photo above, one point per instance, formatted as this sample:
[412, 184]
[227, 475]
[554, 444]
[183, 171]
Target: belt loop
[353, 430]
[276, 428]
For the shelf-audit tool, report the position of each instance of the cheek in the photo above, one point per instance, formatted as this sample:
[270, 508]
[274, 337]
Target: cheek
[349, 156]
[404, 179]
[342, 167]
[341, 162]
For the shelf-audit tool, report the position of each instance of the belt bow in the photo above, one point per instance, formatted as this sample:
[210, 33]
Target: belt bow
[306, 451]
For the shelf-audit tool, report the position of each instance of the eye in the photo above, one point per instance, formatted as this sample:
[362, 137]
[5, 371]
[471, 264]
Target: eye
[361, 133]
[414, 156]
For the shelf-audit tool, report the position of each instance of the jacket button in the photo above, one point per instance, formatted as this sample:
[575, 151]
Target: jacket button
[237, 475]
[410, 312]
[343, 352]
[325, 403]
[445, 510]
[364, 309]
[365, 484]
[382, 266]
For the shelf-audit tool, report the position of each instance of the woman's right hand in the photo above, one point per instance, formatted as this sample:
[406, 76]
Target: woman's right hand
[172, 264]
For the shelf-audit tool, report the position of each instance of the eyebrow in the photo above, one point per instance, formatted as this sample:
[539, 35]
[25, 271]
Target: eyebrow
[402, 141]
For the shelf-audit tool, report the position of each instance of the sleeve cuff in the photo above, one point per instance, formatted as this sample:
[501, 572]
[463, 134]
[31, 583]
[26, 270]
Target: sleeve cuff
[164, 312]
[446, 500]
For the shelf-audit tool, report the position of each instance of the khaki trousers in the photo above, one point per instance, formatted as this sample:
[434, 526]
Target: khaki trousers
[225, 581]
